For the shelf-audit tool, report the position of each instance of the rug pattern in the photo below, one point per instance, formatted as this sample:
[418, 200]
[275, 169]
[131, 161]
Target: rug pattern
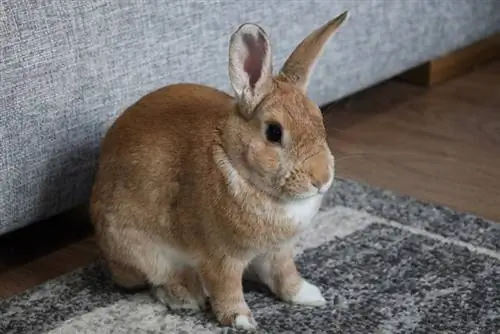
[385, 263]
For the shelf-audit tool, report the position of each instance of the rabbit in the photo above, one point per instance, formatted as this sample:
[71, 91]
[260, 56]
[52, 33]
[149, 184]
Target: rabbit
[196, 188]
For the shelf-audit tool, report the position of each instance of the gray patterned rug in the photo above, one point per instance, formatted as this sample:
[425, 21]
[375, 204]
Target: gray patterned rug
[386, 264]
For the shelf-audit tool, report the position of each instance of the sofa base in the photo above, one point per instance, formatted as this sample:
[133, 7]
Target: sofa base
[455, 63]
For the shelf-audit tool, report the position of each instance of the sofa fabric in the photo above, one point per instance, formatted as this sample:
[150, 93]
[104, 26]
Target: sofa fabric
[69, 68]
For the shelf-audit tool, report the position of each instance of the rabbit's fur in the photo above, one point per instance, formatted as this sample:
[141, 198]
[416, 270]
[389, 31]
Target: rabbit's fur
[194, 186]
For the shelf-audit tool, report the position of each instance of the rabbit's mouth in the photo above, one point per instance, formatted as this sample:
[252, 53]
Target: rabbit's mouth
[304, 195]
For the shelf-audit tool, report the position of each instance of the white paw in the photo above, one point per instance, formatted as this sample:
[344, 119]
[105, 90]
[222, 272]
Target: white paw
[244, 322]
[308, 295]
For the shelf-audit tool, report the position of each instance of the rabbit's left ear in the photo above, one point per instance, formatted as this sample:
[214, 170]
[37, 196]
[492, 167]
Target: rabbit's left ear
[299, 65]
[250, 66]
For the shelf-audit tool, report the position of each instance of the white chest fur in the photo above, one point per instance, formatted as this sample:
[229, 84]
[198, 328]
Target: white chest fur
[301, 212]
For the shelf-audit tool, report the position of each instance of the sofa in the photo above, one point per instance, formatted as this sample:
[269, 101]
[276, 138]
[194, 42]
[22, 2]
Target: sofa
[69, 68]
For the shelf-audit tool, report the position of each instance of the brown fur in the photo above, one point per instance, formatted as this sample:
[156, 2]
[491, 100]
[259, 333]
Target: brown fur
[189, 191]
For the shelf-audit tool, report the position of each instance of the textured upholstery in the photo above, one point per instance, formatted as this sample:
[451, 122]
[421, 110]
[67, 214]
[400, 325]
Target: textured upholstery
[68, 68]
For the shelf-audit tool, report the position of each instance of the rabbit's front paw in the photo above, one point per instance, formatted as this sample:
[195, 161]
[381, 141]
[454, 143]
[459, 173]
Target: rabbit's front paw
[309, 295]
[237, 317]
[244, 322]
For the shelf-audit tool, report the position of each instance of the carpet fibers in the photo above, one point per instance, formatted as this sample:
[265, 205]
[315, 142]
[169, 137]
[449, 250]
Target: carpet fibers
[385, 263]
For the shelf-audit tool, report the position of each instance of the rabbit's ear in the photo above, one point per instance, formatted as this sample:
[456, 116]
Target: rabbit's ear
[299, 65]
[250, 66]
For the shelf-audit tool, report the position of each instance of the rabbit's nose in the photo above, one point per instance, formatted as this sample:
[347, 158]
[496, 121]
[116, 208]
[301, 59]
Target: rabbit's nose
[322, 178]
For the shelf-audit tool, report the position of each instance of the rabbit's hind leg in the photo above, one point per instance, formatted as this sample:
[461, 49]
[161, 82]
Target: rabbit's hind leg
[126, 277]
[182, 289]
[173, 282]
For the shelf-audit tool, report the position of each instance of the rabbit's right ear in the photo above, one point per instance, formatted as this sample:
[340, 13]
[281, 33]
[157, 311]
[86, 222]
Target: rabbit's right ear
[250, 66]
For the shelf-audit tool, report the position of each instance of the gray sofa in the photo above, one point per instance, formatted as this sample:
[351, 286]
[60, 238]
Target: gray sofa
[68, 68]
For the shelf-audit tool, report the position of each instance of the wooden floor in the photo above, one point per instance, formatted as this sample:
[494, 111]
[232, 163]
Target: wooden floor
[440, 144]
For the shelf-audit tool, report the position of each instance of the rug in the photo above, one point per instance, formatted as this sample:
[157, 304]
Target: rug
[385, 263]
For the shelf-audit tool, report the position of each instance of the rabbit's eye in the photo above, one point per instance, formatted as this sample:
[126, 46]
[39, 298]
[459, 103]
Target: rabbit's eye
[274, 132]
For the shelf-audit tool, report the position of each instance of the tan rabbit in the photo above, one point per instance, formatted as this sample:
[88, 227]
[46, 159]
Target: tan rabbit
[195, 186]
